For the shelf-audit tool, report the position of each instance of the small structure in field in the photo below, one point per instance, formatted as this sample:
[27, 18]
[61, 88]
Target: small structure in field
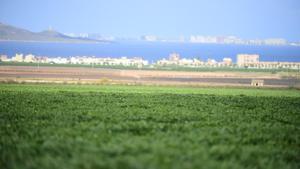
[257, 82]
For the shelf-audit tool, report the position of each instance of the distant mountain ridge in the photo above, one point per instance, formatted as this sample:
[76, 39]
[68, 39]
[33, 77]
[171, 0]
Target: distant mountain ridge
[11, 33]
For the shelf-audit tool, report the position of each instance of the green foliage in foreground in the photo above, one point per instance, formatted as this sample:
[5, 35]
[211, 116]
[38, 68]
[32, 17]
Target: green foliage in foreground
[102, 128]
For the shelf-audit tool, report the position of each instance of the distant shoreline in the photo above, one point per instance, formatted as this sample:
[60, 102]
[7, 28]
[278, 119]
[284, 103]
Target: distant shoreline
[166, 42]
[74, 42]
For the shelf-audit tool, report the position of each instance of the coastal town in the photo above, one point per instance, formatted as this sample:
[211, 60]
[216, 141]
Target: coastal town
[251, 61]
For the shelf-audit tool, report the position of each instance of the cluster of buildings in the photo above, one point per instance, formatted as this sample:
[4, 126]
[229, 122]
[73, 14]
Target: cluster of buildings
[243, 61]
[84, 60]
[190, 39]
[175, 60]
[236, 40]
[95, 36]
[221, 40]
[252, 61]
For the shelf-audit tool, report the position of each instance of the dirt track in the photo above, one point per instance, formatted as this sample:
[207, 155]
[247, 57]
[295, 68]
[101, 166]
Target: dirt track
[142, 76]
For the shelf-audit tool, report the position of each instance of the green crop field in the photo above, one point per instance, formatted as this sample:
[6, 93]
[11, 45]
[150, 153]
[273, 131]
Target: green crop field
[85, 127]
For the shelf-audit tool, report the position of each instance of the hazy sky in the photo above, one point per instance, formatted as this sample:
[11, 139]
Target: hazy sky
[167, 18]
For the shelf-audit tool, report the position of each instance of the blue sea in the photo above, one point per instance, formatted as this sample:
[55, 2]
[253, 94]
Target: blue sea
[151, 51]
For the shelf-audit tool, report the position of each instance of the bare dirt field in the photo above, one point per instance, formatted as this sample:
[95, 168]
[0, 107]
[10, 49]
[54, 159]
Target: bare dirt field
[98, 75]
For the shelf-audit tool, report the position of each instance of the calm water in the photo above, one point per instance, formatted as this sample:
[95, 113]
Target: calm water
[151, 51]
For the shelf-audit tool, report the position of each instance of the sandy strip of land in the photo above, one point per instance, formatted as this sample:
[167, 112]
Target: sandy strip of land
[85, 75]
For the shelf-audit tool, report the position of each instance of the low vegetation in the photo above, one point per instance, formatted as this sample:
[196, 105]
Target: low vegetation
[81, 126]
[234, 68]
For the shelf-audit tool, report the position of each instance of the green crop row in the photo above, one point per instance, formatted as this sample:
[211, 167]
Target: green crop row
[227, 91]
[64, 126]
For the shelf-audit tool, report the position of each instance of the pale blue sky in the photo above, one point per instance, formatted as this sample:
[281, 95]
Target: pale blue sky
[166, 18]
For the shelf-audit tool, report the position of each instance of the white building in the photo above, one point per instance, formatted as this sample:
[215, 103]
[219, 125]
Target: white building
[203, 39]
[227, 61]
[29, 58]
[58, 60]
[174, 57]
[247, 59]
[211, 62]
[275, 41]
[17, 58]
[186, 62]
[4, 58]
[150, 38]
